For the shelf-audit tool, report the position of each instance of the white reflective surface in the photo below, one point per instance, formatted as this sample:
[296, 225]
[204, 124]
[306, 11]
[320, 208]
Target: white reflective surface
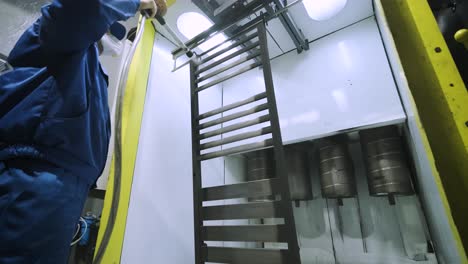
[343, 82]
[323, 9]
[352, 12]
[435, 210]
[160, 216]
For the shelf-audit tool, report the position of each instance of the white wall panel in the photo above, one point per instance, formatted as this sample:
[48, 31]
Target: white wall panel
[160, 218]
[354, 11]
[279, 33]
[344, 81]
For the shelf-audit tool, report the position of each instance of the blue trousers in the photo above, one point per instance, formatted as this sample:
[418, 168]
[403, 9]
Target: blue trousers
[40, 206]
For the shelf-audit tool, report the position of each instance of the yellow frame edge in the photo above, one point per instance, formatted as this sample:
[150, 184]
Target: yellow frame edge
[133, 106]
[441, 99]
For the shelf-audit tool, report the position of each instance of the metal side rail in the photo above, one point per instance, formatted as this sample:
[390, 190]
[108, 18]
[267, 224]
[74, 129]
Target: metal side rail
[244, 126]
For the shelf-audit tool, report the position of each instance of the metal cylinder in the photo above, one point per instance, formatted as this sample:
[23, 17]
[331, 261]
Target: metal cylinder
[336, 169]
[298, 173]
[387, 168]
[260, 166]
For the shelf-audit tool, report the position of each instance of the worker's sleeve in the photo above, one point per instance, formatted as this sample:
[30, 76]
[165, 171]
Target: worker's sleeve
[74, 25]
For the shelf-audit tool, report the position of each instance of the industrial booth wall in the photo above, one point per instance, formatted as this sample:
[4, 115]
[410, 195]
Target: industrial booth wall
[344, 82]
[317, 93]
[345, 71]
[444, 232]
[440, 97]
[132, 114]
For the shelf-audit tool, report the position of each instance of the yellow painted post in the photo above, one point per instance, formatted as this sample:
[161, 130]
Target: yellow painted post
[462, 37]
[133, 105]
[132, 116]
[440, 96]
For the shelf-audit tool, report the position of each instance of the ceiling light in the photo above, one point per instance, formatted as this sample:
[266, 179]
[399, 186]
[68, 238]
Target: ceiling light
[191, 24]
[323, 9]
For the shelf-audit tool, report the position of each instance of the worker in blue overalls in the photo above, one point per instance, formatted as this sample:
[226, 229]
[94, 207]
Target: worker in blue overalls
[55, 126]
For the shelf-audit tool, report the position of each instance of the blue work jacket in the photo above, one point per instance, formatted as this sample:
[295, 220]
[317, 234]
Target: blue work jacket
[53, 105]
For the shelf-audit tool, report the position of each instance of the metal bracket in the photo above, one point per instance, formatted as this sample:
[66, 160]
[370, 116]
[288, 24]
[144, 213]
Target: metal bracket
[177, 56]
[288, 22]
[4, 65]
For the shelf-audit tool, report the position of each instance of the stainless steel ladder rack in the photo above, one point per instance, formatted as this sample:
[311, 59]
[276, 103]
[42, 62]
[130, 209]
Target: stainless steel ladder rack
[251, 42]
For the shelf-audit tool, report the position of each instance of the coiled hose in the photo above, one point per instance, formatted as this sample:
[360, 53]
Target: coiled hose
[118, 144]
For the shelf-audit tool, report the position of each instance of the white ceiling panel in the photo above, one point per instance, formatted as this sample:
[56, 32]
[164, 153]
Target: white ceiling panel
[280, 34]
[280, 41]
[354, 11]
[273, 48]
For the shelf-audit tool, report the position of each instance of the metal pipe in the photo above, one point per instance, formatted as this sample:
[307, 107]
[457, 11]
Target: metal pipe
[240, 137]
[298, 173]
[213, 31]
[252, 122]
[174, 36]
[388, 170]
[118, 145]
[237, 150]
[336, 169]
[260, 166]
[247, 112]
[230, 76]
[223, 109]
[210, 33]
[237, 35]
[286, 8]
[235, 54]
[230, 47]
[227, 67]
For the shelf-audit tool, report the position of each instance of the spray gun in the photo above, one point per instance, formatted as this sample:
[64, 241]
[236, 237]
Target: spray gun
[176, 38]
[181, 45]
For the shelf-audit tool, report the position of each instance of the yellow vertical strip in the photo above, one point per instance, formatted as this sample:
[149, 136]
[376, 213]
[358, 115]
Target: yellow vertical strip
[170, 2]
[440, 96]
[132, 115]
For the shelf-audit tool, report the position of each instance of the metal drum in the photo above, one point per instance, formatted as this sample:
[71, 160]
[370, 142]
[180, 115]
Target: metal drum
[336, 169]
[387, 168]
[260, 166]
[298, 173]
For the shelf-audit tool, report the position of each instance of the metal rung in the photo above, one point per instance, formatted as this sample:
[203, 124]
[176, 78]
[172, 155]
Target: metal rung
[232, 106]
[243, 211]
[235, 36]
[235, 54]
[243, 136]
[245, 255]
[238, 150]
[227, 118]
[217, 29]
[230, 47]
[242, 190]
[252, 122]
[228, 67]
[250, 233]
[229, 76]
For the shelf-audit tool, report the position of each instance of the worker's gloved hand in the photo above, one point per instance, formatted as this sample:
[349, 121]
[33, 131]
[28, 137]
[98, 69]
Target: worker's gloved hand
[154, 7]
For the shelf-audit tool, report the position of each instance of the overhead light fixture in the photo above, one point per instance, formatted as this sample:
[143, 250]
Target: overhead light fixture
[191, 24]
[321, 10]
